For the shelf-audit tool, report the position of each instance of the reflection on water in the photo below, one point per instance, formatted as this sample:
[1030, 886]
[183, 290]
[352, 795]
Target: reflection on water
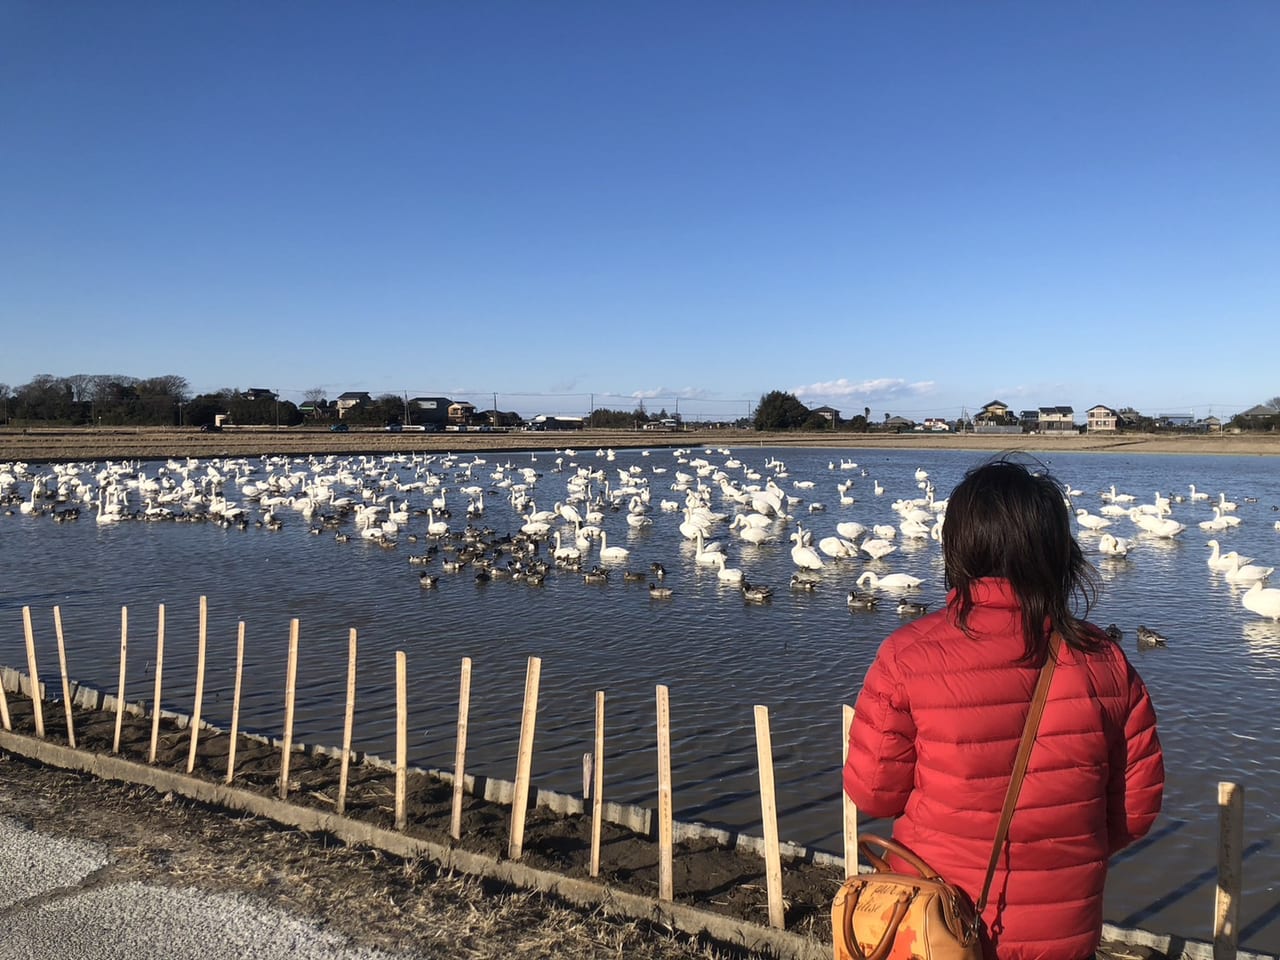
[803, 655]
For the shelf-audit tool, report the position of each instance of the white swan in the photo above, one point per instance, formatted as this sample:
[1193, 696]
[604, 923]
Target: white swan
[1264, 601]
[803, 556]
[611, 553]
[727, 574]
[1248, 573]
[1224, 561]
[1090, 521]
[705, 552]
[837, 548]
[1197, 494]
[565, 553]
[1226, 505]
[1113, 546]
[877, 547]
[851, 529]
[890, 581]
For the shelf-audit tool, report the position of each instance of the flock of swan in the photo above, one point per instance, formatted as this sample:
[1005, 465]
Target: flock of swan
[484, 518]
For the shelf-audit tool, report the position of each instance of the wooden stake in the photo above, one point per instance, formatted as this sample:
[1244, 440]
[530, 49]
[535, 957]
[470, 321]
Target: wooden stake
[850, 809]
[4, 709]
[155, 706]
[202, 645]
[665, 885]
[290, 692]
[460, 755]
[402, 737]
[66, 681]
[124, 648]
[37, 704]
[235, 703]
[769, 818]
[524, 758]
[1226, 907]
[348, 720]
[597, 789]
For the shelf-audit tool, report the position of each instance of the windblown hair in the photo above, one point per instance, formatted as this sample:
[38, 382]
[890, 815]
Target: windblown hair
[1004, 520]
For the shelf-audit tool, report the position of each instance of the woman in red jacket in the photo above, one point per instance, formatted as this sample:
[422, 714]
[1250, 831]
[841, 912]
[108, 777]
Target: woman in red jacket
[937, 724]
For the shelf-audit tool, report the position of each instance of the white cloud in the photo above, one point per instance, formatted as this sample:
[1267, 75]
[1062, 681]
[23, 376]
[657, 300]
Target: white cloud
[663, 393]
[883, 388]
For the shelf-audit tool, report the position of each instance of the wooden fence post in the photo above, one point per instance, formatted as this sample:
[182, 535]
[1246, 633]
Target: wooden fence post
[235, 703]
[290, 693]
[460, 751]
[402, 737]
[850, 810]
[597, 787]
[769, 818]
[124, 649]
[66, 681]
[155, 706]
[1226, 907]
[524, 758]
[665, 830]
[348, 721]
[36, 699]
[201, 647]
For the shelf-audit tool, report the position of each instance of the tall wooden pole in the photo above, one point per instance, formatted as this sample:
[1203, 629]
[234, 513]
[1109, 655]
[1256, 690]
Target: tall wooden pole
[201, 647]
[460, 751]
[124, 649]
[155, 705]
[37, 703]
[524, 758]
[666, 889]
[348, 722]
[66, 681]
[290, 694]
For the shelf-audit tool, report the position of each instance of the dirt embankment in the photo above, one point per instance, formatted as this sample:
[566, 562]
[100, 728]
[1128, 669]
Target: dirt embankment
[145, 443]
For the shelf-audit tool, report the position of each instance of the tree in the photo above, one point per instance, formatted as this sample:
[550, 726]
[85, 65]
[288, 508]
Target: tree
[314, 396]
[778, 410]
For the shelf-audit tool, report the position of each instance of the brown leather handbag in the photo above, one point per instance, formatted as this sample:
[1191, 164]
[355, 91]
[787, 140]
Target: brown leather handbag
[886, 915]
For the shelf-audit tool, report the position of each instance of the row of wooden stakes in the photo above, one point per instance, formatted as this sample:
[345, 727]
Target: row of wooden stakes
[593, 763]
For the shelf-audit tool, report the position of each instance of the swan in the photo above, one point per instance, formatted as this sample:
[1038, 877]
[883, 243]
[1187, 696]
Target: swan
[851, 530]
[803, 556]
[1264, 601]
[727, 574]
[1090, 521]
[1226, 505]
[436, 528]
[565, 553]
[837, 548]
[1159, 526]
[1196, 494]
[1224, 561]
[877, 547]
[1248, 573]
[1113, 546]
[890, 581]
[611, 553]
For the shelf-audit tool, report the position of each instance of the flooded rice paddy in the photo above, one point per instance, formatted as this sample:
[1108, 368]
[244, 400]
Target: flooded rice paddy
[1216, 686]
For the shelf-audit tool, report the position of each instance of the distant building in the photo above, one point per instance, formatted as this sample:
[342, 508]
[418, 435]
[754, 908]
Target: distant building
[1101, 419]
[994, 412]
[899, 424]
[429, 410]
[544, 422]
[1056, 420]
[350, 400]
[830, 414]
[934, 425]
[259, 393]
[461, 412]
[1258, 414]
[1175, 421]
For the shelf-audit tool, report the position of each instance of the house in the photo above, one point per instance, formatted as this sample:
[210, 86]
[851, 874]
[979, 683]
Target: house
[351, 399]
[1056, 420]
[1211, 424]
[897, 424]
[934, 425]
[994, 412]
[259, 393]
[830, 414]
[429, 410]
[461, 412]
[1101, 419]
[315, 409]
[1256, 416]
[1175, 421]
[1029, 420]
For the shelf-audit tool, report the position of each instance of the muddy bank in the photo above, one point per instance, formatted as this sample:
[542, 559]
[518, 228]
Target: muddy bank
[43, 445]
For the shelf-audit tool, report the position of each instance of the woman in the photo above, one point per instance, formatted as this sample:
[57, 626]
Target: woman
[937, 724]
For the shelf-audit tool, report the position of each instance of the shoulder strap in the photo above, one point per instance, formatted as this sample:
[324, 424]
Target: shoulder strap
[1038, 700]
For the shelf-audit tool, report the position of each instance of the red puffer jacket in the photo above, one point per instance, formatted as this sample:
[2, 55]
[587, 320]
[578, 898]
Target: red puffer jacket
[934, 735]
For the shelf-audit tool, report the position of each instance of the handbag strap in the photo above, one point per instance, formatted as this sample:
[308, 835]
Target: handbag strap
[1038, 700]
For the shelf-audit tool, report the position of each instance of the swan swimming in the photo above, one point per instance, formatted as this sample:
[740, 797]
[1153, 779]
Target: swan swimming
[890, 581]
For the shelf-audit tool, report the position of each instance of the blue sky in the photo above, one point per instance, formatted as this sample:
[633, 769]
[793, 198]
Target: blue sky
[912, 207]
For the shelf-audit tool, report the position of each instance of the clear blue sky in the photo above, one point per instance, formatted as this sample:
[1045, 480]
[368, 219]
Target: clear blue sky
[913, 207]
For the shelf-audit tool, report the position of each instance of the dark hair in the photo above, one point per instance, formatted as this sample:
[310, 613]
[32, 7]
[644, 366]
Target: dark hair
[1005, 520]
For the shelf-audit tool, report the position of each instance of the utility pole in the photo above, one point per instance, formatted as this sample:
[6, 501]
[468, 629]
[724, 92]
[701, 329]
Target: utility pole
[406, 409]
[495, 410]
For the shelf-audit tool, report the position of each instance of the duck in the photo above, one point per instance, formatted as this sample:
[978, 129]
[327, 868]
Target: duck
[890, 581]
[660, 593]
[1149, 639]
[596, 575]
[803, 583]
[861, 601]
[754, 594]
[1114, 632]
[1264, 601]
[912, 609]
[428, 581]
[658, 570]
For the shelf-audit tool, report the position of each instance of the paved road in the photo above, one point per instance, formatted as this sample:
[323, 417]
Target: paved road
[56, 905]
